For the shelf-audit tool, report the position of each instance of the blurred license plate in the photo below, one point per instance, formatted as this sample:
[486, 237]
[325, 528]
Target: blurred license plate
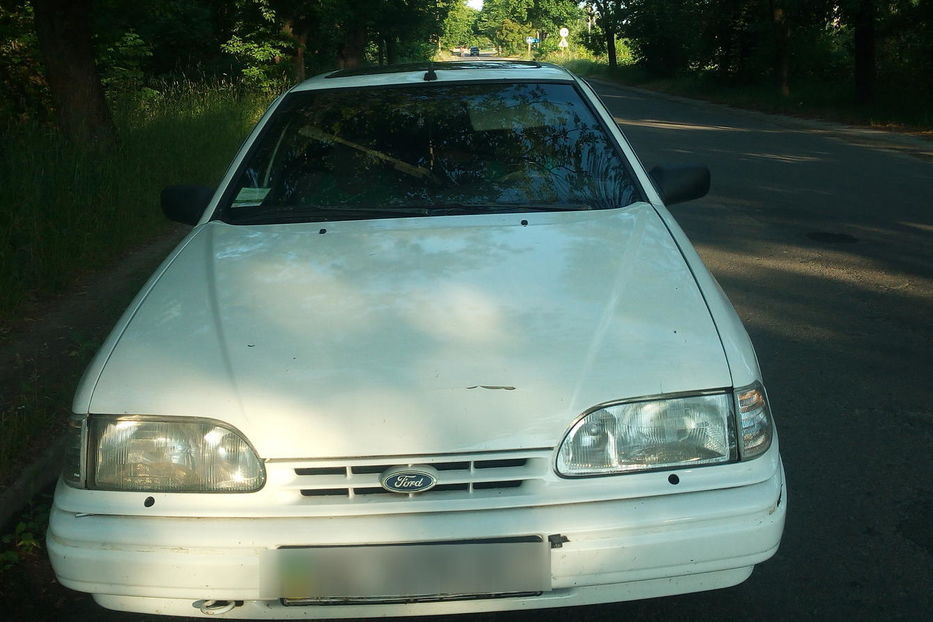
[499, 566]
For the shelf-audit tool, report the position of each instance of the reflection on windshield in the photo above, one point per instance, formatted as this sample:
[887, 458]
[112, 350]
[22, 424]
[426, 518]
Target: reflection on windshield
[429, 150]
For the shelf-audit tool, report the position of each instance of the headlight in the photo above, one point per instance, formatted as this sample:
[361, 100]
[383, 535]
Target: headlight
[148, 454]
[645, 435]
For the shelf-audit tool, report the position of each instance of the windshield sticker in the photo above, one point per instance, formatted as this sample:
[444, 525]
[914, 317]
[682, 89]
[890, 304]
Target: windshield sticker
[250, 197]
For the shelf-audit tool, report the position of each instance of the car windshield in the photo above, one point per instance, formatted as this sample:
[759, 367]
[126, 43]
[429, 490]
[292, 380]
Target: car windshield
[429, 150]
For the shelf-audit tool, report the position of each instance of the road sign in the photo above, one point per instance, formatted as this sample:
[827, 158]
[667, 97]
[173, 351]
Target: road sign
[563, 38]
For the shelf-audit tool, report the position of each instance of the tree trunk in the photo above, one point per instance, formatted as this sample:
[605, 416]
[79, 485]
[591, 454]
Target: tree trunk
[350, 53]
[864, 41]
[298, 61]
[391, 50]
[781, 48]
[727, 44]
[611, 48]
[64, 32]
[298, 33]
[607, 21]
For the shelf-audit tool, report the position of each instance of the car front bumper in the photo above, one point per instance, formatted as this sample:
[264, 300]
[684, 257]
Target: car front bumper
[612, 551]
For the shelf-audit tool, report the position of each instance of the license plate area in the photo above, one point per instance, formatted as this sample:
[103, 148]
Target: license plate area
[404, 572]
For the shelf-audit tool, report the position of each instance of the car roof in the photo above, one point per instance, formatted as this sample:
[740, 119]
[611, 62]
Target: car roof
[456, 71]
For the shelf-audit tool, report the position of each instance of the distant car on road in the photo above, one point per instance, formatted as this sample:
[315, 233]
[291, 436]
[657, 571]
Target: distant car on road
[474, 51]
[434, 346]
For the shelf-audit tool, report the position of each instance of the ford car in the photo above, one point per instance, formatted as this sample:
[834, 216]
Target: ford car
[433, 345]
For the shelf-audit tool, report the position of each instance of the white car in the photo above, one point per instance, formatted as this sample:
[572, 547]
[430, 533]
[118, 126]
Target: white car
[434, 345]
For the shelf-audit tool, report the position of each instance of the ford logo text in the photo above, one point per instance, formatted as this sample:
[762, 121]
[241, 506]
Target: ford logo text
[409, 479]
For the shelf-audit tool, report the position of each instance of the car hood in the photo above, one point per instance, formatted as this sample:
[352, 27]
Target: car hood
[412, 336]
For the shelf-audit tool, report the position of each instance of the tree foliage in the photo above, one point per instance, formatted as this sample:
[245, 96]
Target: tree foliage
[877, 46]
[874, 44]
[507, 23]
[127, 46]
[459, 28]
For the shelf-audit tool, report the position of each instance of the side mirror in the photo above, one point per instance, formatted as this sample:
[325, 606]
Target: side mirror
[185, 204]
[677, 184]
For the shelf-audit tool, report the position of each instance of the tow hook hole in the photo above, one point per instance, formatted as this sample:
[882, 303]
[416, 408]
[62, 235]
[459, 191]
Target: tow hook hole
[524, 223]
[322, 231]
[149, 502]
[673, 479]
[216, 607]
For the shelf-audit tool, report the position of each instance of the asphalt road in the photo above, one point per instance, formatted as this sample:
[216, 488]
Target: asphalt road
[823, 246]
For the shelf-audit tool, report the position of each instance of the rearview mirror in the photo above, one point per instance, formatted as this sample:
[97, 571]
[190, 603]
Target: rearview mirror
[677, 184]
[185, 204]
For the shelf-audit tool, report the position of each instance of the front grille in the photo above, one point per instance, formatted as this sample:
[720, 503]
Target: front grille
[336, 481]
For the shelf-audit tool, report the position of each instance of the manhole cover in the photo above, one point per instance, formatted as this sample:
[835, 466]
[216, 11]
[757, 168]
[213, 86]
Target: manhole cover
[832, 238]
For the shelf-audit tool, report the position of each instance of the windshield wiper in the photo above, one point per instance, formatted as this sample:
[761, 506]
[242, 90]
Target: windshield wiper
[273, 214]
[265, 215]
[450, 209]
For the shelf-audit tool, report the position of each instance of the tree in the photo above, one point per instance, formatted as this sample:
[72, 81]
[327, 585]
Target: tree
[609, 19]
[508, 22]
[63, 29]
[182, 37]
[23, 91]
[787, 18]
[297, 19]
[458, 28]
[406, 28]
[863, 14]
[334, 32]
[781, 49]
[663, 33]
[270, 38]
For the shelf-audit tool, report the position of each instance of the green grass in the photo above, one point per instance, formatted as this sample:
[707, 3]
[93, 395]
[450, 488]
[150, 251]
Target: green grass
[69, 210]
[23, 538]
[829, 100]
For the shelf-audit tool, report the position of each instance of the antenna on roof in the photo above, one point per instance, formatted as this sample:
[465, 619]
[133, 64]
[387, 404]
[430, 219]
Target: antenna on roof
[430, 74]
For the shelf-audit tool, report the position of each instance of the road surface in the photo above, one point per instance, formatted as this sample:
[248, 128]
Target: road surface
[825, 249]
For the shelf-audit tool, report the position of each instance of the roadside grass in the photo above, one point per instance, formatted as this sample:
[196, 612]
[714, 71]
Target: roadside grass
[70, 210]
[24, 537]
[24, 577]
[894, 109]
